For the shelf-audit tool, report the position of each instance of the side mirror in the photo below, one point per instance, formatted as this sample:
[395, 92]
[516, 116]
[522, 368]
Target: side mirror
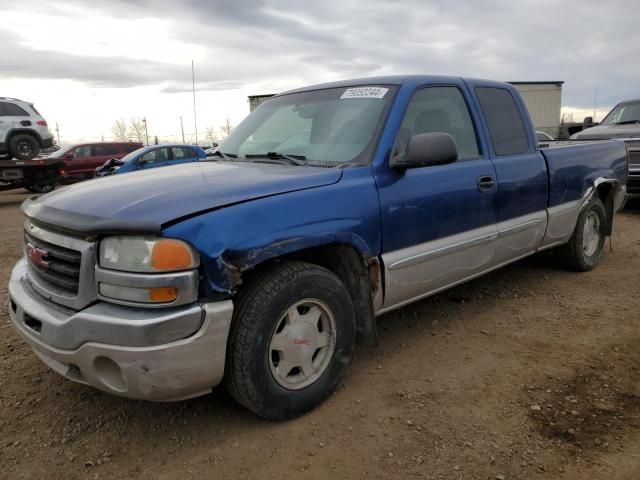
[588, 120]
[69, 156]
[426, 149]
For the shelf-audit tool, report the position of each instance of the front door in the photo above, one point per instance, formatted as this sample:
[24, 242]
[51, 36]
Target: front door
[158, 157]
[439, 221]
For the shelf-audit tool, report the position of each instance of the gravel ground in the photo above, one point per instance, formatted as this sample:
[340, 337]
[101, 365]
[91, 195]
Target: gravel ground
[529, 372]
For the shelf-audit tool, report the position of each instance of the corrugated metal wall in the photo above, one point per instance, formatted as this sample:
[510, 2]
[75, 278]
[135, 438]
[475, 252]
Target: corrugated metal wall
[544, 102]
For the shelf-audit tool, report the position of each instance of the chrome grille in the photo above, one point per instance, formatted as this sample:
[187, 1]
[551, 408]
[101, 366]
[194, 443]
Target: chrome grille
[61, 267]
[58, 265]
[634, 159]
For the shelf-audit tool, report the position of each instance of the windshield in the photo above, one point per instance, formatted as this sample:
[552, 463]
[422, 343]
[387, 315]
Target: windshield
[132, 155]
[335, 125]
[61, 151]
[623, 113]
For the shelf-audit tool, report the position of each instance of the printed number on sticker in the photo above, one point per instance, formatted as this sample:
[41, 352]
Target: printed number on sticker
[365, 92]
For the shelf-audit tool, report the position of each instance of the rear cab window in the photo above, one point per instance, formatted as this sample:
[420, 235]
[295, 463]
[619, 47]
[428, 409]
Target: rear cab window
[506, 126]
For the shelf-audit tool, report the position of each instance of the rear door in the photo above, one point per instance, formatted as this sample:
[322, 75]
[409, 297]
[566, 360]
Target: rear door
[12, 116]
[183, 155]
[521, 170]
[438, 221]
[100, 153]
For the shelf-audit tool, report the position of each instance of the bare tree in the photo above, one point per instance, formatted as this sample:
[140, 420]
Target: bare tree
[211, 135]
[120, 130]
[137, 130]
[227, 127]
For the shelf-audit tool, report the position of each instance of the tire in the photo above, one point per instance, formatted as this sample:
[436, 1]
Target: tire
[291, 340]
[583, 251]
[41, 188]
[24, 146]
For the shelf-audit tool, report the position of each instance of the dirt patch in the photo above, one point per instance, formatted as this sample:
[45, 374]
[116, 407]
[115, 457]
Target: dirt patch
[590, 409]
[447, 394]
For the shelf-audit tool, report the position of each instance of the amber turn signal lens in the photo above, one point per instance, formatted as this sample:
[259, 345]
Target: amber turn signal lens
[169, 254]
[163, 294]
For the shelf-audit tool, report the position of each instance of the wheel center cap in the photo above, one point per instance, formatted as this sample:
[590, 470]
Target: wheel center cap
[302, 341]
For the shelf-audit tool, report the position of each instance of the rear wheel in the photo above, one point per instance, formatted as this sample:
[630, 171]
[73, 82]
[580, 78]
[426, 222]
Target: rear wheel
[584, 250]
[24, 147]
[291, 340]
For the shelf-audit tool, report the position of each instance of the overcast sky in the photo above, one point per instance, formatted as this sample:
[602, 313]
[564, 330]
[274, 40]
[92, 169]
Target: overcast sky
[85, 63]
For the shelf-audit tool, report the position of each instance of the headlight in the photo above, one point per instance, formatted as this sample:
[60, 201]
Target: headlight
[147, 254]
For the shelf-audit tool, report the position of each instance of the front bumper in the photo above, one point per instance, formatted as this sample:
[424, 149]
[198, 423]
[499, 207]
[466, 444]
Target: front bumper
[116, 349]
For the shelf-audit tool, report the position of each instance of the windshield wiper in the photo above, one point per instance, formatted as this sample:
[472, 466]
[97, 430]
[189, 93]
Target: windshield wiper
[226, 156]
[627, 122]
[299, 160]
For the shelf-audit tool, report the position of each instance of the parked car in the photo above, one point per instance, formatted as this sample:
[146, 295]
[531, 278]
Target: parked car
[23, 131]
[82, 160]
[151, 157]
[211, 150]
[623, 122]
[327, 206]
[543, 137]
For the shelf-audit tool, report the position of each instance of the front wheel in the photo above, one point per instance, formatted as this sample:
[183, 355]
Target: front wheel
[584, 249]
[291, 340]
[41, 188]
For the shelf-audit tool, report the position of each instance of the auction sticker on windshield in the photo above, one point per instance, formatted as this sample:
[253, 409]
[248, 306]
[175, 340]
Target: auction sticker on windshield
[365, 92]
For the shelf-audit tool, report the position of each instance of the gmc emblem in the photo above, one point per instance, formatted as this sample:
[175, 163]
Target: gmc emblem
[37, 256]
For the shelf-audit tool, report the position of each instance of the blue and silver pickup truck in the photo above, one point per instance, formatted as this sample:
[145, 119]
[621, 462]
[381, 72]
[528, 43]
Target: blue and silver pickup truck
[326, 207]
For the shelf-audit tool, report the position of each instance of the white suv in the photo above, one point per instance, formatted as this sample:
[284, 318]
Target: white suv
[23, 131]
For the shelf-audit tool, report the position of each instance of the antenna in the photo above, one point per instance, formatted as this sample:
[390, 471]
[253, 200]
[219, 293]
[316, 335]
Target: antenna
[595, 101]
[193, 87]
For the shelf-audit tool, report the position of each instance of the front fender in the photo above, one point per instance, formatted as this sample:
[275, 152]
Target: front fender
[239, 237]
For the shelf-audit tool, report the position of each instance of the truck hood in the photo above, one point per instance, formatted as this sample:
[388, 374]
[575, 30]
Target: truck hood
[144, 201]
[605, 132]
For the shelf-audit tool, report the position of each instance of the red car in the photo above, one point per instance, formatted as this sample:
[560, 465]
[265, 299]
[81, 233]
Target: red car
[82, 160]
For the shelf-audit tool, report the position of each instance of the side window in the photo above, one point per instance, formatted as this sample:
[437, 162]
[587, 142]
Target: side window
[131, 148]
[156, 156]
[439, 109]
[99, 150]
[508, 134]
[180, 153]
[11, 110]
[82, 152]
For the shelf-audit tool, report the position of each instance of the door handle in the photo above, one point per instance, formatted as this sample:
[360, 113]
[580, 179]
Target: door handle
[486, 183]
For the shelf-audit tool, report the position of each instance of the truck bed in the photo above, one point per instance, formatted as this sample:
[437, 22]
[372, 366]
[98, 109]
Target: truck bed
[573, 165]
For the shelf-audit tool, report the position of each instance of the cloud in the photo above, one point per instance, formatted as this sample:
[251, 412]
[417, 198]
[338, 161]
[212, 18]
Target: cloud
[277, 45]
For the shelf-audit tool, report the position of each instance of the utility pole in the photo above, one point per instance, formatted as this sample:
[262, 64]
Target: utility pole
[58, 133]
[182, 128]
[595, 102]
[146, 132]
[193, 87]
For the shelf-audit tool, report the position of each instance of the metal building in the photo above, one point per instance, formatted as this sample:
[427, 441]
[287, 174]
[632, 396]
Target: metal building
[544, 101]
